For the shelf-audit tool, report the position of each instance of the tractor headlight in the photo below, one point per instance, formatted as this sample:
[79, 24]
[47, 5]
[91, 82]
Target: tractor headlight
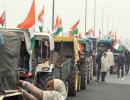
[45, 69]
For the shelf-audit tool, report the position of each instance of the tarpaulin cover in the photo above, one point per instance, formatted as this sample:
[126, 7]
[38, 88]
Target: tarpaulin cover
[9, 58]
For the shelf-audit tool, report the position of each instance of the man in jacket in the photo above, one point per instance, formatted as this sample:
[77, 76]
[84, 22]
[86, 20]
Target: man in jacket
[121, 63]
[104, 66]
[110, 57]
[127, 56]
[98, 61]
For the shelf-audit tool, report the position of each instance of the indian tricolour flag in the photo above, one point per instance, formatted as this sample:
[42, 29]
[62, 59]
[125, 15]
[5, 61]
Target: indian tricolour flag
[90, 33]
[29, 23]
[58, 27]
[115, 44]
[40, 20]
[2, 19]
[74, 30]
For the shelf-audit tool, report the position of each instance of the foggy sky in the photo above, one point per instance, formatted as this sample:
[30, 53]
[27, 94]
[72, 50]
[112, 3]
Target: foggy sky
[72, 10]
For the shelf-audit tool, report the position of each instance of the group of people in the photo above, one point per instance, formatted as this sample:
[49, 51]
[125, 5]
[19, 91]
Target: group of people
[105, 62]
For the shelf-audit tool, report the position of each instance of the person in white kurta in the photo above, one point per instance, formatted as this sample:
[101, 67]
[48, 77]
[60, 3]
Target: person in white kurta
[110, 57]
[59, 92]
[55, 91]
[104, 66]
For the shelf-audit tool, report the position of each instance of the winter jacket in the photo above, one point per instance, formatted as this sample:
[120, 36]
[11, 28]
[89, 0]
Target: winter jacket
[121, 60]
[110, 57]
[104, 64]
[98, 60]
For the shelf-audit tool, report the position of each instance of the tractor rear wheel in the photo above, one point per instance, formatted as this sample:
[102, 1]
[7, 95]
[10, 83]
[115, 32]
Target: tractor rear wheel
[72, 82]
[83, 77]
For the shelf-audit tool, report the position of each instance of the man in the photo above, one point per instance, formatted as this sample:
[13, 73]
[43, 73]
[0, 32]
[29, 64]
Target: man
[55, 91]
[121, 63]
[110, 57]
[127, 56]
[104, 66]
[98, 61]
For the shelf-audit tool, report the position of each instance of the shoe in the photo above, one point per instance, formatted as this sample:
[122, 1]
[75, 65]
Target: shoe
[97, 81]
[122, 78]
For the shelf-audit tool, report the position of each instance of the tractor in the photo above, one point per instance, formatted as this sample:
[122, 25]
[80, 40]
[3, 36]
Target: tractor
[66, 60]
[42, 59]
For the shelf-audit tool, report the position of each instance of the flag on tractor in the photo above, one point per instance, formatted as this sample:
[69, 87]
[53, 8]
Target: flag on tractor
[40, 20]
[29, 23]
[90, 33]
[74, 30]
[80, 47]
[79, 34]
[115, 40]
[2, 19]
[58, 27]
[115, 44]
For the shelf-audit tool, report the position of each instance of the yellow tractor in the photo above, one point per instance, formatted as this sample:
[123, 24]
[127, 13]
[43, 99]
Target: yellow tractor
[65, 62]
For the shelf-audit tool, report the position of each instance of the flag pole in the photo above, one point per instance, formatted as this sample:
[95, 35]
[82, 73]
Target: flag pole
[94, 16]
[53, 13]
[5, 18]
[85, 15]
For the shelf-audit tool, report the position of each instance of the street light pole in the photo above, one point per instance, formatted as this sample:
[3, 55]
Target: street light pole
[102, 21]
[53, 13]
[108, 17]
[86, 15]
[107, 23]
[94, 16]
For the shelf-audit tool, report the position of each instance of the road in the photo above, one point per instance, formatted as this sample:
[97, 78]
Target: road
[113, 89]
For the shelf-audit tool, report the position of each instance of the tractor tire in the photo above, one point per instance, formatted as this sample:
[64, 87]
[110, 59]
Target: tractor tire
[88, 72]
[42, 80]
[88, 80]
[83, 72]
[88, 77]
[72, 82]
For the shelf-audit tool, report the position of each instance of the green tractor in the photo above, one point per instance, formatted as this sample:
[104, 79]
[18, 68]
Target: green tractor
[94, 47]
[66, 67]
[105, 44]
[83, 63]
[89, 60]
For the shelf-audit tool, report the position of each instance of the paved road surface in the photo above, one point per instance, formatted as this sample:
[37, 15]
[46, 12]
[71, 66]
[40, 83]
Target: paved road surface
[114, 89]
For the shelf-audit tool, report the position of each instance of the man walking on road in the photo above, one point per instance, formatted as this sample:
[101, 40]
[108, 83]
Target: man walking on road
[121, 63]
[110, 57]
[104, 65]
[127, 56]
[98, 61]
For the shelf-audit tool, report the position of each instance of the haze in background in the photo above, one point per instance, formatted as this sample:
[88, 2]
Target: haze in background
[72, 10]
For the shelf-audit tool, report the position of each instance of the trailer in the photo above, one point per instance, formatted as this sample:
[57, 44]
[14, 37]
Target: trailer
[10, 44]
